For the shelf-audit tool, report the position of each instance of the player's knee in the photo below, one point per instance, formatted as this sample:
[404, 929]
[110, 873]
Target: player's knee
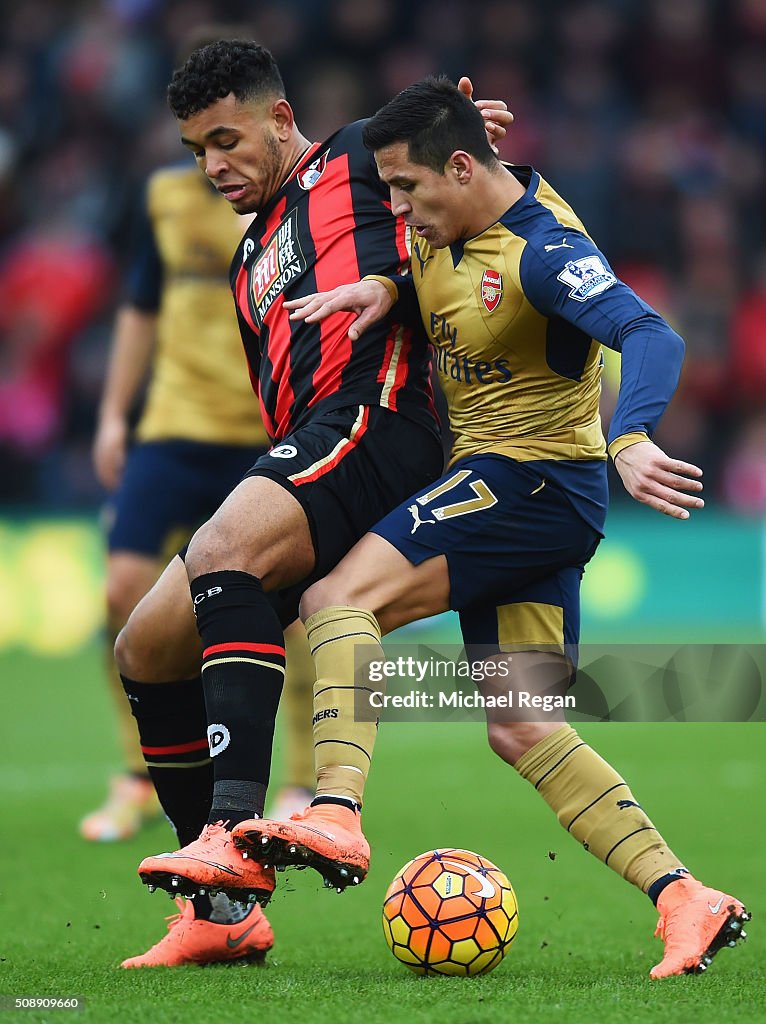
[212, 548]
[322, 594]
[145, 652]
[331, 592]
[139, 656]
[127, 653]
[511, 740]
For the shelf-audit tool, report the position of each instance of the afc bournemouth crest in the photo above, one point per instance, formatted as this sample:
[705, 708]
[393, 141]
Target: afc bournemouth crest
[491, 289]
[310, 175]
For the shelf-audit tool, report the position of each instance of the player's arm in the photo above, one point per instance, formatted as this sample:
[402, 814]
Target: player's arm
[576, 283]
[132, 347]
[131, 352]
[372, 299]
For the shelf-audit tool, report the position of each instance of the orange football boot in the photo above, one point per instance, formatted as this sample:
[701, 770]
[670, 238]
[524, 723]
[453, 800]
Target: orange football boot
[695, 922]
[210, 864]
[190, 941]
[327, 838]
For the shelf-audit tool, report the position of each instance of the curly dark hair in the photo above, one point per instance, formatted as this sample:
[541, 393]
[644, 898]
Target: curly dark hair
[237, 66]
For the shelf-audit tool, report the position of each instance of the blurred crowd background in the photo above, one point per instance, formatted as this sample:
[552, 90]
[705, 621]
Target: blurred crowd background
[649, 116]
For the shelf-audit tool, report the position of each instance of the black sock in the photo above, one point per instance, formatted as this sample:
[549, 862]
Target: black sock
[243, 669]
[202, 907]
[172, 726]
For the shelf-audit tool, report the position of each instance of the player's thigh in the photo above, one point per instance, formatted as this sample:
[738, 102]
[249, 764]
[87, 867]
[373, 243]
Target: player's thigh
[160, 642]
[129, 576]
[436, 547]
[376, 576]
[260, 528]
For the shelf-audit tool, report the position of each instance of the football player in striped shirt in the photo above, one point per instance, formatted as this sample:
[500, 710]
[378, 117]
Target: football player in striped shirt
[353, 431]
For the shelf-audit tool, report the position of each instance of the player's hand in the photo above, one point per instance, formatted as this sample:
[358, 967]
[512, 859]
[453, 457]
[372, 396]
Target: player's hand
[497, 116]
[110, 447]
[665, 484]
[370, 300]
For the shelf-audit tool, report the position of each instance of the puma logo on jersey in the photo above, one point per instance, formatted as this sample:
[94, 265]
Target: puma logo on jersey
[421, 261]
[561, 245]
[415, 513]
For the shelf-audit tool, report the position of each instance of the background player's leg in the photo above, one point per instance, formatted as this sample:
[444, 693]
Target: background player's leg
[132, 798]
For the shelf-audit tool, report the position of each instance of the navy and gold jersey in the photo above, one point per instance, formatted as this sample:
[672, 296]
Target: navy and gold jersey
[329, 223]
[199, 388]
[517, 316]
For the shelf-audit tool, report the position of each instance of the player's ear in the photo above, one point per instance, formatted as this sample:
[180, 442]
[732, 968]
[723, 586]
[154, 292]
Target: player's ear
[284, 118]
[460, 165]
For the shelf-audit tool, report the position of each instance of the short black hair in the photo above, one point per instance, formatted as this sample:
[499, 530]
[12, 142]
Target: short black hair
[435, 119]
[238, 66]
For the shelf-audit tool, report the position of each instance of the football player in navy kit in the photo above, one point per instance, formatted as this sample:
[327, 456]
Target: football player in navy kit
[517, 300]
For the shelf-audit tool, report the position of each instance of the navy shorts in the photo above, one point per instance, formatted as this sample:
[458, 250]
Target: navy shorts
[347, 467]
[516, 549]
[168, 489]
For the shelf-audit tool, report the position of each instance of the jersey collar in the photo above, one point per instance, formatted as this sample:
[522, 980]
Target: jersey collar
[528, 176]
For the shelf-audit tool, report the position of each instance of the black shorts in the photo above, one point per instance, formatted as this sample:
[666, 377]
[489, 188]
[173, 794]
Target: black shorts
[347, 468]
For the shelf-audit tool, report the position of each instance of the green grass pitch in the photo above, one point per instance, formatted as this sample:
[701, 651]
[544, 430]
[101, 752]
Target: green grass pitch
[71, 911]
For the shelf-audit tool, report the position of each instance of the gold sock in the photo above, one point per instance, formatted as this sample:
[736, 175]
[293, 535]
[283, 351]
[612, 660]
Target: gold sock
[296, 701]
[343, 740]
[597, 807]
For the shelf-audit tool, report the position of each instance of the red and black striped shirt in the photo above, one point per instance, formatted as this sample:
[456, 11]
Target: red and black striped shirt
[329, 224]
